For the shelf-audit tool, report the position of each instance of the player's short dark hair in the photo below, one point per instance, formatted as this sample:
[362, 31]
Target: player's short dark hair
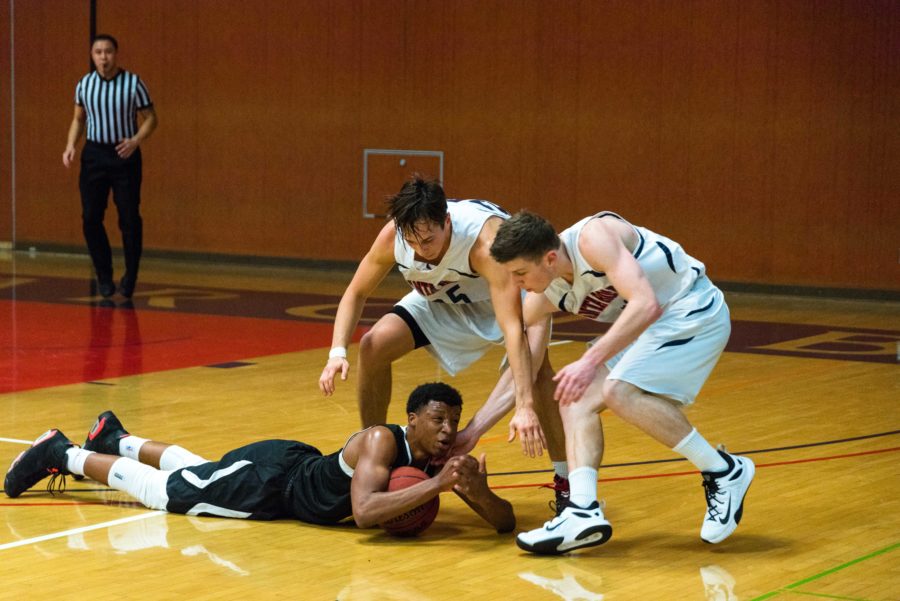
[433, 391]
[420, 199]
[107, 37]
[525, 235]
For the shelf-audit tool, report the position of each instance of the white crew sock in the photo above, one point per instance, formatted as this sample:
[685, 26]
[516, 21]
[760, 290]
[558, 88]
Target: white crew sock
[75, 458]
[583, 486]
[175, 457]
[130, 446]
[146, 484]
[561, 469]
[699, 452]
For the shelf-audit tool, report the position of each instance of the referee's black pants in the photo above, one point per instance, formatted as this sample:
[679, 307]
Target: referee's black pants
[103, 170]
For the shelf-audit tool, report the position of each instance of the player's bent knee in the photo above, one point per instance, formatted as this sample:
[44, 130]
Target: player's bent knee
[585, 407]
[617, 394]
[379, 346]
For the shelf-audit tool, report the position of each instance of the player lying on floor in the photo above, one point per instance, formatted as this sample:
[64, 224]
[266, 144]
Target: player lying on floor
[275, 479]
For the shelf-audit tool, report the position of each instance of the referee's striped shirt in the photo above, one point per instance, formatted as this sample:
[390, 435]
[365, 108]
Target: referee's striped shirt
[111, 105]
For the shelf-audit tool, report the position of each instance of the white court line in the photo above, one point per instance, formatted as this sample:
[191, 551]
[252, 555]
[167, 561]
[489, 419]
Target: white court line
[558, 342]
[16, 440]
[38, 539]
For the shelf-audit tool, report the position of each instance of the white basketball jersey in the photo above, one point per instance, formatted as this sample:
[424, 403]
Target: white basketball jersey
[670, 270]
[452, 280]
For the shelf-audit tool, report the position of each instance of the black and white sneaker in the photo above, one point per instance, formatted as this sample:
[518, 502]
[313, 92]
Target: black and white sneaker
[574, 528]
[725, 493]
[45, 457]
[105, 434]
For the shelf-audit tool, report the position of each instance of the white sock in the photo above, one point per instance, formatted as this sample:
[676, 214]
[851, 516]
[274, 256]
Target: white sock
[75, 458]
[146, 484]
[561, 468]
[583, 486]
[699, 452]
[175, 457]
[130, 446]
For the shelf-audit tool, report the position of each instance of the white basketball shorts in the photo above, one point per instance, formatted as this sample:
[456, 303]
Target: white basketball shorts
[459, 333]
[675, 355]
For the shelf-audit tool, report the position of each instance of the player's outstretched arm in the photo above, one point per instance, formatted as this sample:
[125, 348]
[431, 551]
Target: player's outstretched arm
[473, 489]
[503, 397]
[372, 269]
[507, 301]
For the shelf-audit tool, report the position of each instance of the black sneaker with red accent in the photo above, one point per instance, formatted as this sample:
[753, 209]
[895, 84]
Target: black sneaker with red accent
[45, 457]
[105, 434]
[561, 487]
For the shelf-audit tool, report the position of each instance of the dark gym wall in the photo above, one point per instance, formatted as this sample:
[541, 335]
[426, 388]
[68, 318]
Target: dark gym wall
[762, 135]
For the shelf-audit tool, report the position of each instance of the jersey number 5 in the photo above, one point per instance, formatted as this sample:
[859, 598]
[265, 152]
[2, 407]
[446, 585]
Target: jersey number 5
[457, 298]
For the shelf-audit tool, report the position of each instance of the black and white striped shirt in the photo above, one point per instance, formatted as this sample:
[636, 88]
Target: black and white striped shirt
[111, 105]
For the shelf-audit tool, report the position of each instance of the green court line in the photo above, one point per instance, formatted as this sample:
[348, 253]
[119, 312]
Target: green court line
[787, 589]
[824, 596]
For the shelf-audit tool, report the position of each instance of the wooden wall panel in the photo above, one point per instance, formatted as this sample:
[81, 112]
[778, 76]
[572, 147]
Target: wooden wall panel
[6, 209]
[52, 50]
[762, 135]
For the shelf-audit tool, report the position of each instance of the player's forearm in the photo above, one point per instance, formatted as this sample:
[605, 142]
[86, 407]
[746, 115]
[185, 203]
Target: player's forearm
[495, 511]
[635, 318]
[503, 397]
[519, 357]
[348, 314]
[378, 507]
[498, 404]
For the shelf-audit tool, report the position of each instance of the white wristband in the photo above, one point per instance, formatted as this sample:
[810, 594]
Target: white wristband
[338, 351]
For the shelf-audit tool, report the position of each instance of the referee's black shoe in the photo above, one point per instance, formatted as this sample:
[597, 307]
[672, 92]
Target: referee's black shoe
[106, 288]
[126, 286]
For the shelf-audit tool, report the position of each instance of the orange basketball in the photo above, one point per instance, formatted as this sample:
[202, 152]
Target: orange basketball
[417, 519]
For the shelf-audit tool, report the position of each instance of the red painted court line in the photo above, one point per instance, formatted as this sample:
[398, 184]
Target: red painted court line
[695, 472]
[80, 503]
[502, 486]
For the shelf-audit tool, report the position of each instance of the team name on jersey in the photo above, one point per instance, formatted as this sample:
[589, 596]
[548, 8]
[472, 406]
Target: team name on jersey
[597, 301]
[427, 288]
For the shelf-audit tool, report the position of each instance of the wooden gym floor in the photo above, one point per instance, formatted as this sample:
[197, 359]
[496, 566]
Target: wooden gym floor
[214, 356]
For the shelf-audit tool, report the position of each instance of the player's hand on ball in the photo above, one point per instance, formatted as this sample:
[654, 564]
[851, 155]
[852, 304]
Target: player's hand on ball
[473, 478]
[452, 471]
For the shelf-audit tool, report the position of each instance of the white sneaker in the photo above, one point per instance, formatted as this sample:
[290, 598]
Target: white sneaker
[725, 493]
[575, 527]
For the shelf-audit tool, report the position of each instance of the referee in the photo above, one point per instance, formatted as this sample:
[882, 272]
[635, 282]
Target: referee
[107, 101]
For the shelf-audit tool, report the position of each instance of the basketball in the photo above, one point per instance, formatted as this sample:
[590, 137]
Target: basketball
[417, 519]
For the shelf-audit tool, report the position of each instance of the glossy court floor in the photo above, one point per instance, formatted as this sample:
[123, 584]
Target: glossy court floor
[212, 356]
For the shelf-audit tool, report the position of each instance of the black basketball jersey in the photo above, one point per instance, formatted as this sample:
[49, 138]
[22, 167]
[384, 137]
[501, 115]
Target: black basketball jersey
[318, 489]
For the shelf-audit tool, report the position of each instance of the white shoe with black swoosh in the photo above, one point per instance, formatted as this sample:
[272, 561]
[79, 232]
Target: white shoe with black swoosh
[725, 493]
[575, 527]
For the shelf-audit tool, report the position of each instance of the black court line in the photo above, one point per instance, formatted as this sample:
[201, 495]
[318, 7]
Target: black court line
[753, 452]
